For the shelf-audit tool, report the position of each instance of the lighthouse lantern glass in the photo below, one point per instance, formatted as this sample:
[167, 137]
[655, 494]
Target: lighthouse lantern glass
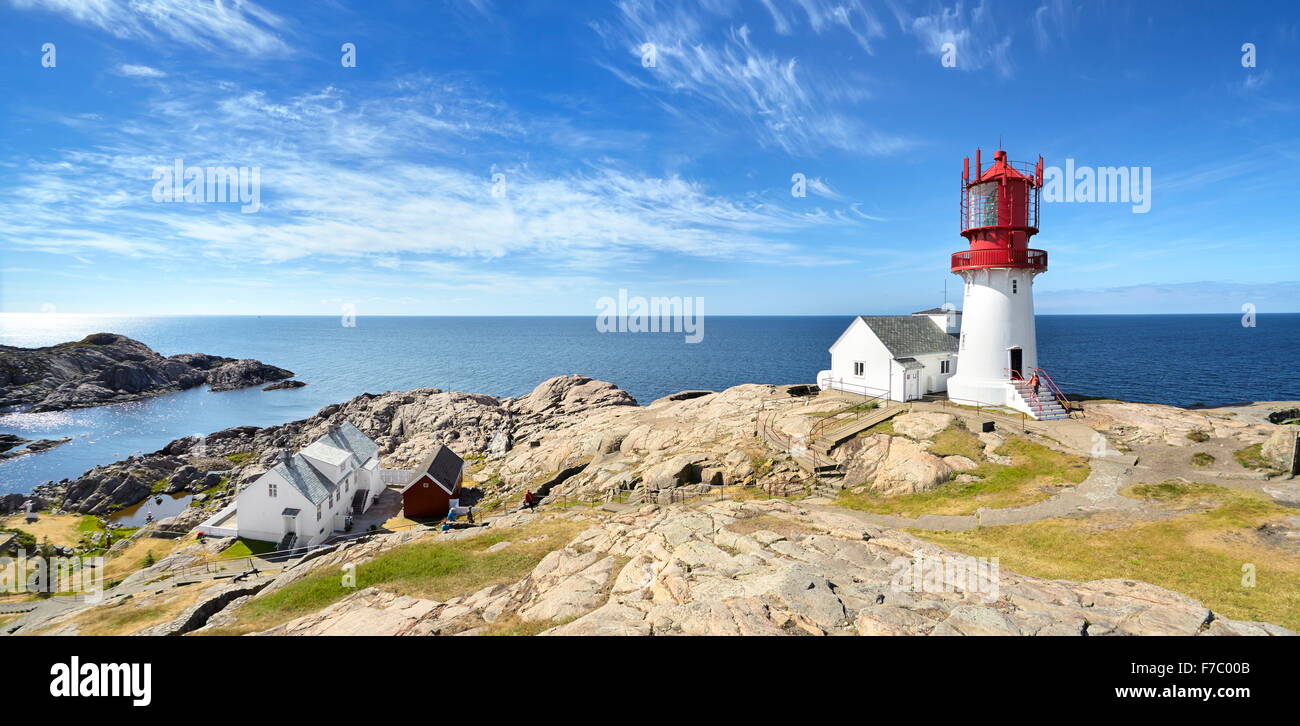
[983, 205]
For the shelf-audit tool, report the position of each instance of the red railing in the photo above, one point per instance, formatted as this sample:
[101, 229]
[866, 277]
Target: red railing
[981, 259]
[1051, 386]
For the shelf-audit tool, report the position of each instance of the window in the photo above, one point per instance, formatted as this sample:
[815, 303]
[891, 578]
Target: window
[963, 341]
[270, 489]
[317, 512]
[859, 368]
[983, 205]
[943, 366]
[1014, 284]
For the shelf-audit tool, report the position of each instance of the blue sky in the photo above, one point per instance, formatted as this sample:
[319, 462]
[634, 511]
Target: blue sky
[377, 181]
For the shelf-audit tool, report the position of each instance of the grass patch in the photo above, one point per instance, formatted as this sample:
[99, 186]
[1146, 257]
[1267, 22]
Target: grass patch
[432, 569]
[1200, 552]
[59, 529]
[241, 457]
[513, 625]
[957, 440]
[1198, 436]
[133, 557]
[133, 615]
[859, 408]
[159, 486]
[247, 548]
[1252, 457]
[90, 524]
[1201, 458]
[1034, 471]
[884, 427]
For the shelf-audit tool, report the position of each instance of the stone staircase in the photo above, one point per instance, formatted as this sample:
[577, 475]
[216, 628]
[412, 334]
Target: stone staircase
[1046, 408]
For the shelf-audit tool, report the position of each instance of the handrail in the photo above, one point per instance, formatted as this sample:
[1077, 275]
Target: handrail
[1056, 391]
[1033, 401]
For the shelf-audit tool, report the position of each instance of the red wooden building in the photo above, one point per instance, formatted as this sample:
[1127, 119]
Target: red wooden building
[434, 485]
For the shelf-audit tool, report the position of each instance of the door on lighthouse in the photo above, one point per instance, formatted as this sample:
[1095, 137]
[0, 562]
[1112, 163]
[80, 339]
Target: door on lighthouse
[1017, 363]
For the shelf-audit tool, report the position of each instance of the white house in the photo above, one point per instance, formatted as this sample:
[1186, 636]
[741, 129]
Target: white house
[307, 496]
[898, 357]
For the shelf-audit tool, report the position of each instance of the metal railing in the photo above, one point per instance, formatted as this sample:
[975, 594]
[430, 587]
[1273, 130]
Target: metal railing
[1055, 390]
[1006, 257]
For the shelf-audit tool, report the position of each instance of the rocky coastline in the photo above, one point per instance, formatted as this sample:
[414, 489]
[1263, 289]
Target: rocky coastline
[105, 368]
[654, 563]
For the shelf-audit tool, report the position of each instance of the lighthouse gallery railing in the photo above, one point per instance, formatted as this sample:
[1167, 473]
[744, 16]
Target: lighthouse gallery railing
[978, 259]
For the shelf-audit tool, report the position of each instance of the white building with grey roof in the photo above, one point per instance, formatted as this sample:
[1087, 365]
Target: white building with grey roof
[306, 497]
[896, 357]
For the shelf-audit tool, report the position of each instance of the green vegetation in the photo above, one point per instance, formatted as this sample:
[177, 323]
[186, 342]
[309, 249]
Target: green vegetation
[957, 440]
[513, 625]
[241, 457]
[211, 490]
[1200, 551]
[884, 427]
[159, 486]
[26, 540]
[859, 408]
[1201, 458]
[1198, 436]
[428, 568]
[148, 560]
[242, 547]
[1252, 457]
[1031, 477]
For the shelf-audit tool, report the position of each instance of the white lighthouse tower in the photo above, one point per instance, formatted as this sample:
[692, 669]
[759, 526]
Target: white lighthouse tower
[997, 352]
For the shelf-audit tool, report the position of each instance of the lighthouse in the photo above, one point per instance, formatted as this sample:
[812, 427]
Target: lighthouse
[997, 349]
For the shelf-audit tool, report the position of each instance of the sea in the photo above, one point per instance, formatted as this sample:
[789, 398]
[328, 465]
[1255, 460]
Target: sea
[1174, 359]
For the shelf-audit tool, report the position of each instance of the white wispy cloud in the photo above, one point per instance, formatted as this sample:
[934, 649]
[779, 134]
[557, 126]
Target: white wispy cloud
[976, 35]
[784, 105]
[380, 184]
[239, 25]
[131, 70]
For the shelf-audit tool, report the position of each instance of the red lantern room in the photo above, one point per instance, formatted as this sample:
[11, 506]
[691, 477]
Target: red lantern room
[999, 213]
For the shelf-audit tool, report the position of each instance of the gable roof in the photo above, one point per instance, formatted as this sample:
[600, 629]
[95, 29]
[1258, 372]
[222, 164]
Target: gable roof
[936, 311]
[442, 465]
[321, 451]
[307, 479]
[908, 335]
[348, 437]
[341, 443]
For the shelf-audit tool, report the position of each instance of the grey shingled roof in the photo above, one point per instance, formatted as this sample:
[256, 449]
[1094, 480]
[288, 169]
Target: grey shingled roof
[906, 335]
[935, 311]
[349, 438]
[304, 477]
[443, 464]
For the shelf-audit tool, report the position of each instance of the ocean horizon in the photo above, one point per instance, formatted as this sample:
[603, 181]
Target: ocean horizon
[1176, 359]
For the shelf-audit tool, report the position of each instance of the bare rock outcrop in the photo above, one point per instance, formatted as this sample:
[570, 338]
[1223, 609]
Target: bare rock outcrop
[105, 368]
[715, 569]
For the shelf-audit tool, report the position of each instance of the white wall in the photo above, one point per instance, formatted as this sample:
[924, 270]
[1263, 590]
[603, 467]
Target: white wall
[259, 512]
[858, 343]
[994, 319]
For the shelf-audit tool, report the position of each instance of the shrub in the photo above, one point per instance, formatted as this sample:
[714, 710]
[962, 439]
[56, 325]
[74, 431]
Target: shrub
[1201, 458]
[1198, 436]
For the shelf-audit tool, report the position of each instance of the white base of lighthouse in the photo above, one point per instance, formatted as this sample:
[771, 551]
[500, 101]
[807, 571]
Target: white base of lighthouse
[997, 337]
